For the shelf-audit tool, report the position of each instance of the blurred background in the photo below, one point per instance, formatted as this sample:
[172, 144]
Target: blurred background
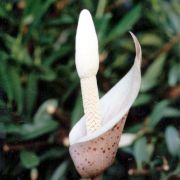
[40, 97]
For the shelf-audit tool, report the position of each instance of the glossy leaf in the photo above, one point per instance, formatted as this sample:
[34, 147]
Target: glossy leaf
[142, 99]
[174, 75]
[31, 92]
[43, 121]
[162, 110]
[5, 81]
[29, 159]
[60, 171]
[125, 24]
[172, 140]
[152, 75]
[141, 152]
[77, 111]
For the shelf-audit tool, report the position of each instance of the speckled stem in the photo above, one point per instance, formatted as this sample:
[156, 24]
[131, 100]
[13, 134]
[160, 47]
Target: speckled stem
[100, 177]
[91, 103]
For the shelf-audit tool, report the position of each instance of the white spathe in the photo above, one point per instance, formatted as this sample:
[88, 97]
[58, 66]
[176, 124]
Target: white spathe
[115, 103]
[87, 55]
[127, 139]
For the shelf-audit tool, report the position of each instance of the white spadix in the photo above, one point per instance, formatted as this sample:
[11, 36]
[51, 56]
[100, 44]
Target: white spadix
[87, 64]
[87, 55]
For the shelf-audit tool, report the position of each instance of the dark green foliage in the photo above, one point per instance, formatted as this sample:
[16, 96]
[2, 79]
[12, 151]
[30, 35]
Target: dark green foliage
[40, 97]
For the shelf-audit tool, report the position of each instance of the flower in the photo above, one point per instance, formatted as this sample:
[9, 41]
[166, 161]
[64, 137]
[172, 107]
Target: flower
[93, 153]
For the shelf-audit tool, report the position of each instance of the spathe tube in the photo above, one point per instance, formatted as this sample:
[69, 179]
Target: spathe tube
[95, 152]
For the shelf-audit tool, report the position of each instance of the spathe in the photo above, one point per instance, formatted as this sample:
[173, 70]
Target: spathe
[95, 152]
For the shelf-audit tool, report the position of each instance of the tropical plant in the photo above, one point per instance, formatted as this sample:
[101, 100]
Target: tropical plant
[40, 92]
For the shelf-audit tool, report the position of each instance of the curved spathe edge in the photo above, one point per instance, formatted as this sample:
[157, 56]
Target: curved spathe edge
[115, 103]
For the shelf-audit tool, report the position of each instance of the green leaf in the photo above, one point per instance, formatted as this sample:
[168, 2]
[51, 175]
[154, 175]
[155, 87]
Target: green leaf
[57, 54]
[4, 56]
[120, 61]
[53, 153]
[69, 90]
[16, 86]
[42, 114]
[77, 111]
[60, 171]
[10, 128]
[150, 39]
[29, 159]
[101, 8]
[172, 17]
[102, 27]
[5, 81]
[29, 131]
[140, 152]
[36, 9]
[157, 113]
[43, 121]
[171, 112]
[174, 75]
[18, 51]
[152, 75]
[160, 111]
[125, 24]
[2, 104]
[3, 12]
[88, 4]
[135, 128]
[47, 75]
[62, 20]
[32, 15]
[142, 99]
[31, 92]
[172, 140]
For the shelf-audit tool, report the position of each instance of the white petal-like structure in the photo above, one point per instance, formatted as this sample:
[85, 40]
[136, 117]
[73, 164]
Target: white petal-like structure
[95, 152]
[115, 103]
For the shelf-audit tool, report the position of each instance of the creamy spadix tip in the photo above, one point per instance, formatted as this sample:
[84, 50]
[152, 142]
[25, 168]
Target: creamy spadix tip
[87, 55]
[85, 13]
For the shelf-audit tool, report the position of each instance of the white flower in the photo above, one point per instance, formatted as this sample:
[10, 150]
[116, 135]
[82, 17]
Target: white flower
[93, 153]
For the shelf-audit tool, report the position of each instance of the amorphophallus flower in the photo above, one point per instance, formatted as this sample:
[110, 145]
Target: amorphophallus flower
[93, 149]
